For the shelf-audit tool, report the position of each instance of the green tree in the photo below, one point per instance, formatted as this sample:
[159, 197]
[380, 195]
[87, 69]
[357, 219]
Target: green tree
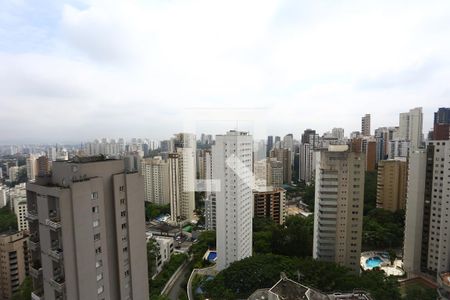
[417, 292]
[153, 210]
[383, 229]
[22, 175]
[370, 191]
[8, 219]
[152, 255]
[205, 241]
[309, 196]
[25, 289]
[243, 277]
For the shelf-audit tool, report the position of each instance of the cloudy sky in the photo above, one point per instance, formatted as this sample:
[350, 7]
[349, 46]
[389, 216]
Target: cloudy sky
[72, 71]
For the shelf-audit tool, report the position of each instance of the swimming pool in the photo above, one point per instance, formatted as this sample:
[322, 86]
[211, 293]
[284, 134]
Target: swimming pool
[212, 256]
[373, 262]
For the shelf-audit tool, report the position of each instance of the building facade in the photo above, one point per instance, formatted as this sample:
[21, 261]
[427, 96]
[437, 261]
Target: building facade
[269, 202]
[156, 180]
[339, 201]
[87, 232]
[14, 261]
[427, 232]
[365, 125]
[232, 166]
[391, 184]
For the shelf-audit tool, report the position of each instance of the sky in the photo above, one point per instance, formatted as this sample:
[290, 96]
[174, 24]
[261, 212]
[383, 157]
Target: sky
[73, 71]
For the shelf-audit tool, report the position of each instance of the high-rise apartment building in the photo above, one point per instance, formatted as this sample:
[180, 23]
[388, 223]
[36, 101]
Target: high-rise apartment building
[13, 173]
[43, 166]
[411, 127]
[274, 173]
[87, 232]
[427, 229]
[365, 125]
[306, 163]
[269, 202]
[338, 133]
[339, 202]
[284, 155]
[441, 128]
[156, 180]
[210, 195]
[20, 209]
[182, 175]
[232, 166]
[391, 184]
[14, 260]
[32, 167]
[309, 136]
[269, 145]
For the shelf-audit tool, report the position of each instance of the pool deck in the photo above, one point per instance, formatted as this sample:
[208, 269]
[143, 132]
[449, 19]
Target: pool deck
[396, 269]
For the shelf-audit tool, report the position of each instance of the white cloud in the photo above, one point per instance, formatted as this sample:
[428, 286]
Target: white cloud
[132, 67]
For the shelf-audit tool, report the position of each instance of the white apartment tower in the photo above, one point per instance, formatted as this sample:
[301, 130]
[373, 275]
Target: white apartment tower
[232, 166]
[339, 202]
[410, 129]
[427, 228]
[306, 163]
[210, 195]
[156, 180]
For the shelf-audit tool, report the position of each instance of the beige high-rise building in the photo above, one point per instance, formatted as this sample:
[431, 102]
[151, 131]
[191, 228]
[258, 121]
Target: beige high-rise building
[339, 202]
[182, 169]
[391, 184]
[87, 232]
[365, 125]
[13, 262]
[274, 172]
[156, 180]
[32, 167]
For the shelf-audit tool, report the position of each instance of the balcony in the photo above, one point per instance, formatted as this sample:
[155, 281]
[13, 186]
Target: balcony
[56, 254]
[37, 295]
[35, 271]
[54, 223]
[58, 284]
[34, 246]
[32, 216]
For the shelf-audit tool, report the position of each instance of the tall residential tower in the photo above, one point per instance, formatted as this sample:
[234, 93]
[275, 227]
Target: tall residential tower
[339, 202]
[87, 232]
[232, 166]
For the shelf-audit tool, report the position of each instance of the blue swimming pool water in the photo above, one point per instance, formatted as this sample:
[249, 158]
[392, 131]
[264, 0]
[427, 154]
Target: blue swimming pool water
[374, 262]
[212, 256]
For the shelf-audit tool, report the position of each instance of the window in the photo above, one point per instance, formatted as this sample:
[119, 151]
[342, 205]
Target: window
[98, 263]
[100, 289]
[98, 250]
[94, 195]
[99, 276]
[96, 236]
[95, 223]
[95, 209]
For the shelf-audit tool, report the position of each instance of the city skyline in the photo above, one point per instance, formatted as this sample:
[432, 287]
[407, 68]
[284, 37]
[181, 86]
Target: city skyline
[98, 68]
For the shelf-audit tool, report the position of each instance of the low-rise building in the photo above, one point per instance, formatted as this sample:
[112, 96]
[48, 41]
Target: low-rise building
[269, 202]
[287, 289]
